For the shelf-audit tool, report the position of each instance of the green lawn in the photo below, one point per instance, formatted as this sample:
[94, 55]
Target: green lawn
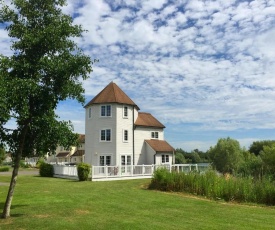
[50, 203]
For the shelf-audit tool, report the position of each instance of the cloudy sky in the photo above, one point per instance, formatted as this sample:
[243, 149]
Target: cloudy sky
[204, 68]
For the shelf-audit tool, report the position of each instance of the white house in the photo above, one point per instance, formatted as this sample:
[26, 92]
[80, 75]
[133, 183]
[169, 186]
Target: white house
[117, 134]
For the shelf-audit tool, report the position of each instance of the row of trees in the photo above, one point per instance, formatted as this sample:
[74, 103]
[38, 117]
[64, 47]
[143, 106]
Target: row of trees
[195, 156]
[227, 156]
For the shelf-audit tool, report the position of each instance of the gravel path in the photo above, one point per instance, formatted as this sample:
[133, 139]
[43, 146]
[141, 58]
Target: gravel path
[22, 172]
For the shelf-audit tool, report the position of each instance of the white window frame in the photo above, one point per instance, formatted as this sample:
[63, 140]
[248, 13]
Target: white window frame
[105, 155]
[125, 109]
[89, 113]
[123, 135]
[165, 158]
[155, 135]
[105, 107]
[105, 140]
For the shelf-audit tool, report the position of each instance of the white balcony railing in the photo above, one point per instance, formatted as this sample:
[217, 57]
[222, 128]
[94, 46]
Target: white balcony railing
[141, 171]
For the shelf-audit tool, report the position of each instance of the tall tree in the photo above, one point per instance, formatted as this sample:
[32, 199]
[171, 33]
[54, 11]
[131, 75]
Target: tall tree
[46, 67]
[226, 155]
[257, 146]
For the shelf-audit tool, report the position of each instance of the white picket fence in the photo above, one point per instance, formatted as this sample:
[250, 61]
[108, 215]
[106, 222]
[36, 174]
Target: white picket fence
[124, 172]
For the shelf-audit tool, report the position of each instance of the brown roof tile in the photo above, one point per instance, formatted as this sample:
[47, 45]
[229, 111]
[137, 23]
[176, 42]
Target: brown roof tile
[79, 153]
[160, 145]
[146, 119]
[112, 94]
[81, 138]
[63, 154]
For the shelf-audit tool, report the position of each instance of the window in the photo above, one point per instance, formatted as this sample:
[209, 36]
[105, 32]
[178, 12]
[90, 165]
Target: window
[105, 135]
[165, 158]
[125, 135]
[125, 111]
[90, 112]
[104, 160]
[106, 111]
[155, 135]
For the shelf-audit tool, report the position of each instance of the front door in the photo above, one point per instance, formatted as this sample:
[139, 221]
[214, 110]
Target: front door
[126, 164]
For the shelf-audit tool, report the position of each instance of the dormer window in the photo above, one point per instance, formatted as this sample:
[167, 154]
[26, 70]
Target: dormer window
[155, 135]
[106, 111]
[125, 111]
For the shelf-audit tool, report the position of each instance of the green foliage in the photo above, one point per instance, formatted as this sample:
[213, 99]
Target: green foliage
[46, 170]
[257, 146]
[36, 77]
[226, 155]
[179, 158]
[2, 155]
[83, 171]
[23, 164]
[195, 156]
[251, 166]
[40, 162]
[4, 169]
[46, 67]
[268, 157]
[214, 186]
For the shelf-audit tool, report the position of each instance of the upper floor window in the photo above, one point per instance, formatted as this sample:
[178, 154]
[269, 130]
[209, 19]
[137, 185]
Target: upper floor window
[105, 135]
[90, 112]
[125, 111]
[155, 135]
[105, 111]
[125, 135]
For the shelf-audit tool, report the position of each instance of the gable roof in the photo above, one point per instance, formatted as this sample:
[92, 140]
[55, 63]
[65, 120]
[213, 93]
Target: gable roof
[146, 119]
[160, 145]
[79, 153]
[63, 154]
[111, 94]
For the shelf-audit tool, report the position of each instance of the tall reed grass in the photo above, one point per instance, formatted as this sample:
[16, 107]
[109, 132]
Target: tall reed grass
[214, 186]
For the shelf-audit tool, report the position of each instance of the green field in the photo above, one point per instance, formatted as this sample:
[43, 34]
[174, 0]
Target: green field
[50, 203]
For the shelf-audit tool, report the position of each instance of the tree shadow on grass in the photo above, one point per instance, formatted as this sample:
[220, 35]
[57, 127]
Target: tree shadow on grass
[2, 204]
[13, 207]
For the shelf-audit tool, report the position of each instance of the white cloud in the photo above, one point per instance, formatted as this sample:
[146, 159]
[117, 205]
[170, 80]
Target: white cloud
[204, 62]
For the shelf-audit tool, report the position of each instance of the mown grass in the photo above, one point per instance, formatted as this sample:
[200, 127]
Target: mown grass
[50, 203]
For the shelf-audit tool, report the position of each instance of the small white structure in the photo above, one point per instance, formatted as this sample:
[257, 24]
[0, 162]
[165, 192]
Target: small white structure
[117, 134]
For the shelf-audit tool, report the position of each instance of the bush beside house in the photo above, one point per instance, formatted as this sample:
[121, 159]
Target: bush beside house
[83, 171]
[46, 170]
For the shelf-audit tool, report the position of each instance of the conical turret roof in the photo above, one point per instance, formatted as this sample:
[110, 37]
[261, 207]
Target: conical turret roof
[111, 94]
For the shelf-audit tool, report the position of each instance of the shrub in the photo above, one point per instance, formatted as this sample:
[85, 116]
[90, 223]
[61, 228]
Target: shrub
[4, 169]
[39, 162]
[46, 170]
[22, 164]
[83, 171]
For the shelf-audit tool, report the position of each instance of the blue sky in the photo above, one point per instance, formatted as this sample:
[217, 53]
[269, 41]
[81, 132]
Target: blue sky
[205, 69]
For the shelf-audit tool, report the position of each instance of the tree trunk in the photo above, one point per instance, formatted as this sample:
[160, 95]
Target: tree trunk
[6, 210]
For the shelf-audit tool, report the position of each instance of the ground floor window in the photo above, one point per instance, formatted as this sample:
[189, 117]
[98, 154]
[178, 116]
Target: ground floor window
[104, 160]
[165, 158]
